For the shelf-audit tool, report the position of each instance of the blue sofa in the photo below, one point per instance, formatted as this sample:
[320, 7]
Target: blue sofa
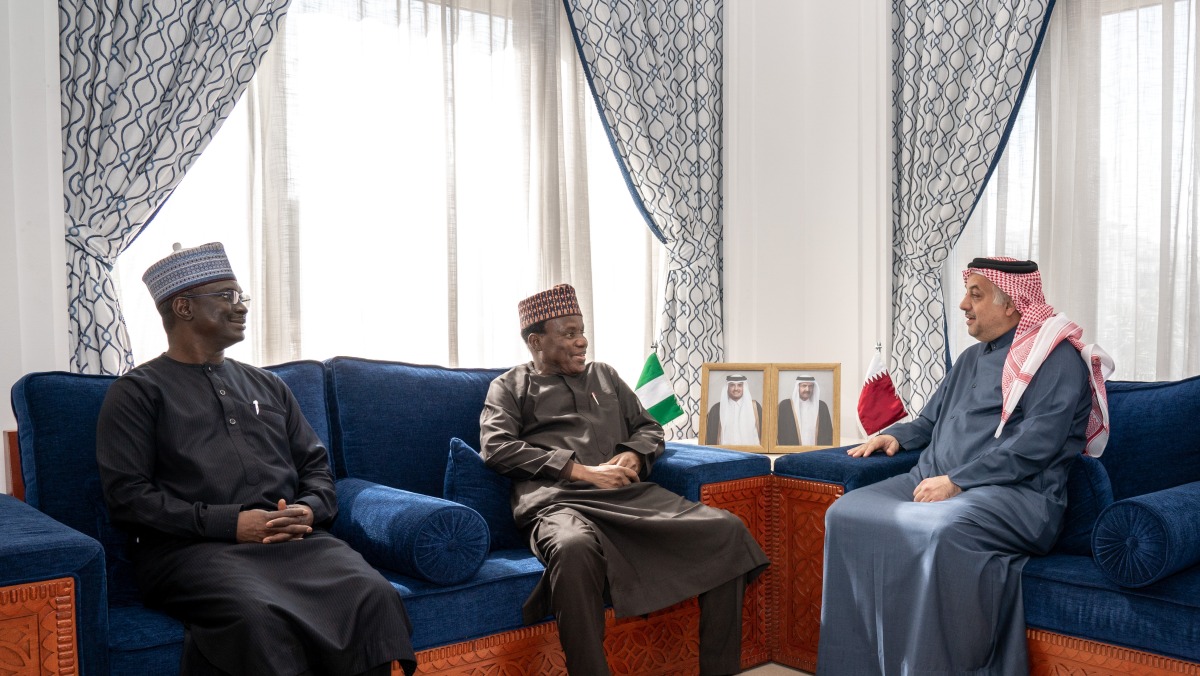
[1120, 592]
[389, 428]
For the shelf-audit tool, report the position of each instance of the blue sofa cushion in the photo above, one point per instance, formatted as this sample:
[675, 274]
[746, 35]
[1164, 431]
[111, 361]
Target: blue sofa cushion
[144, 641]
[488, 603]
[392, 421]
[832, 465]
[1152, 420]
[306, 380]
[1140, 540]
[684, 468]
[418, 535]
[1088, 494]
[1069, 595]
[470, 482]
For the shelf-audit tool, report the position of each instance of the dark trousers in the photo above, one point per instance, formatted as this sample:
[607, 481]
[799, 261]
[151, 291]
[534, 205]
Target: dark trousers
[575, 571]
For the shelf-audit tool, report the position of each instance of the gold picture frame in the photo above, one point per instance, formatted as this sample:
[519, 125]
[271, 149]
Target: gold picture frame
[718, 384]
[786, 386]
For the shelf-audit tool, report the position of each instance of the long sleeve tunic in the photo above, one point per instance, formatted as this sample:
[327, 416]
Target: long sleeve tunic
[182, 450]
[659, 547]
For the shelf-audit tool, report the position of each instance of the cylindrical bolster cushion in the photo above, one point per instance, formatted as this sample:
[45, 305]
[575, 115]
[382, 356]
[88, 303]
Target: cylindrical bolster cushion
[417, 535]
[1140, 540]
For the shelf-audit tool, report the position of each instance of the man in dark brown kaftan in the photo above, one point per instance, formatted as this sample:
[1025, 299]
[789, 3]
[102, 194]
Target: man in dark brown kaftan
[227, 491]
[579, 445]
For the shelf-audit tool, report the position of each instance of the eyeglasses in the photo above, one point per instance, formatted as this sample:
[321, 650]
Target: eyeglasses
[234, 297]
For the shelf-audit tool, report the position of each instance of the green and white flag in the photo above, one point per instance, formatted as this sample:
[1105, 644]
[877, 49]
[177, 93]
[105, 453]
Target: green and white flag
[656, 393]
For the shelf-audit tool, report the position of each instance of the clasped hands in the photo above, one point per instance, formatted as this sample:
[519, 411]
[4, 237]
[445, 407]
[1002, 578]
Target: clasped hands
[290, 522]
[620, 470]
[933, 489]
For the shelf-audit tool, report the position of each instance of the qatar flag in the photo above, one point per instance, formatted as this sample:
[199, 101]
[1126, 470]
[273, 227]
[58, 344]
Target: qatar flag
[878, 405]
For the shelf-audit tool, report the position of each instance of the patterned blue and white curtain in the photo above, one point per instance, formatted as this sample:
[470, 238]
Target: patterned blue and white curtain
[959, 69]
[145, 85]
[655, 69]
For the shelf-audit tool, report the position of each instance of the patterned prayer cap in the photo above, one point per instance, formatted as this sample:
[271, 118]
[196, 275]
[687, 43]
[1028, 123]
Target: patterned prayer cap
[1021, 280]
[186, 269]
[550, 304]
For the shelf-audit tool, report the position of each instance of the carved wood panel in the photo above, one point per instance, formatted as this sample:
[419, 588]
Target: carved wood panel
[750, 500]
[665, 643]
[1057, 655]
[801, 559]
[37, 628]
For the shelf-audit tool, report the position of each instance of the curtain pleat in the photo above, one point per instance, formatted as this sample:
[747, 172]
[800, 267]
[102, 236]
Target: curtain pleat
[959, 70]
[654, 67]
[145, 84]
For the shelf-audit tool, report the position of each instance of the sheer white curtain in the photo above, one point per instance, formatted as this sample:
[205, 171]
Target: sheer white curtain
[399, 175]
[1099, 184]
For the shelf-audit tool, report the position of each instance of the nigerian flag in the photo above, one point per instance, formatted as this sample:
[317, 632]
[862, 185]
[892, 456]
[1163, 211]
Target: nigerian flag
[656, 393]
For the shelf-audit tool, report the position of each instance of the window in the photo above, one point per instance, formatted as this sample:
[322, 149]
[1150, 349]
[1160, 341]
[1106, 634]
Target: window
[1099, 184]
[409, 214]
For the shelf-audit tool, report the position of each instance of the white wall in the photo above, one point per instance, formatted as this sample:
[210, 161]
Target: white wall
[807, 192]
[33, 295]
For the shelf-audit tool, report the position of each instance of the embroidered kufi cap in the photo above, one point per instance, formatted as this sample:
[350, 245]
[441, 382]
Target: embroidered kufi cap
[186, 269]
[735, 378]
[550, 304]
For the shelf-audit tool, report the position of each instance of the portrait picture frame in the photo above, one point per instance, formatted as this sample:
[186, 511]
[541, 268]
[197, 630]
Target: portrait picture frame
[716, 380]
[822, 425]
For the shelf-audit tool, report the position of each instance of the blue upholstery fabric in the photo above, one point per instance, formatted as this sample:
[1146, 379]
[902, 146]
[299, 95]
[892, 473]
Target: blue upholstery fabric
[35, 547]
[1088, 494]
[1140, 540]
[1069, 595]
[469, 482]
[392, 421]
[684, 468]
[56, 431]
[832, 465]
[488, 603]
[1153, 444]
[306, 380]
[418, 535]
[143, 641]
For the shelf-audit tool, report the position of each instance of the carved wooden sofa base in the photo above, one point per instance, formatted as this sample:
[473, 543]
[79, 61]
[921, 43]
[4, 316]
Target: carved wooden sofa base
[37, 628]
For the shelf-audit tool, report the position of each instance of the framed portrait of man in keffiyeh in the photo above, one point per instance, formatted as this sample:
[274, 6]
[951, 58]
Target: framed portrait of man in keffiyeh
[732, 414]
[806, 406]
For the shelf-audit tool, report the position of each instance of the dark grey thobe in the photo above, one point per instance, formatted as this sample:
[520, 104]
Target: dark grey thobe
[935, 588]
[182, 449]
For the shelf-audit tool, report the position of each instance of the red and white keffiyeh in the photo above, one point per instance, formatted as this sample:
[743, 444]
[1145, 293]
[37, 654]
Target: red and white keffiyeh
[1038, 332]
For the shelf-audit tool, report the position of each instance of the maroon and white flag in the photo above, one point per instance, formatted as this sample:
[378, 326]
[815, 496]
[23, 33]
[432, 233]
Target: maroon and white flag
[878, 405]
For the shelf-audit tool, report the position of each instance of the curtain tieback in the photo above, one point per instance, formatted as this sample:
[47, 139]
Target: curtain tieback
[108, 266]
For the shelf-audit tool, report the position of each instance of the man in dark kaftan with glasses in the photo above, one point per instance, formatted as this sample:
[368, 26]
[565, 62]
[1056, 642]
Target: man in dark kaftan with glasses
[227, 492]
[923, 570]
[579, 446]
